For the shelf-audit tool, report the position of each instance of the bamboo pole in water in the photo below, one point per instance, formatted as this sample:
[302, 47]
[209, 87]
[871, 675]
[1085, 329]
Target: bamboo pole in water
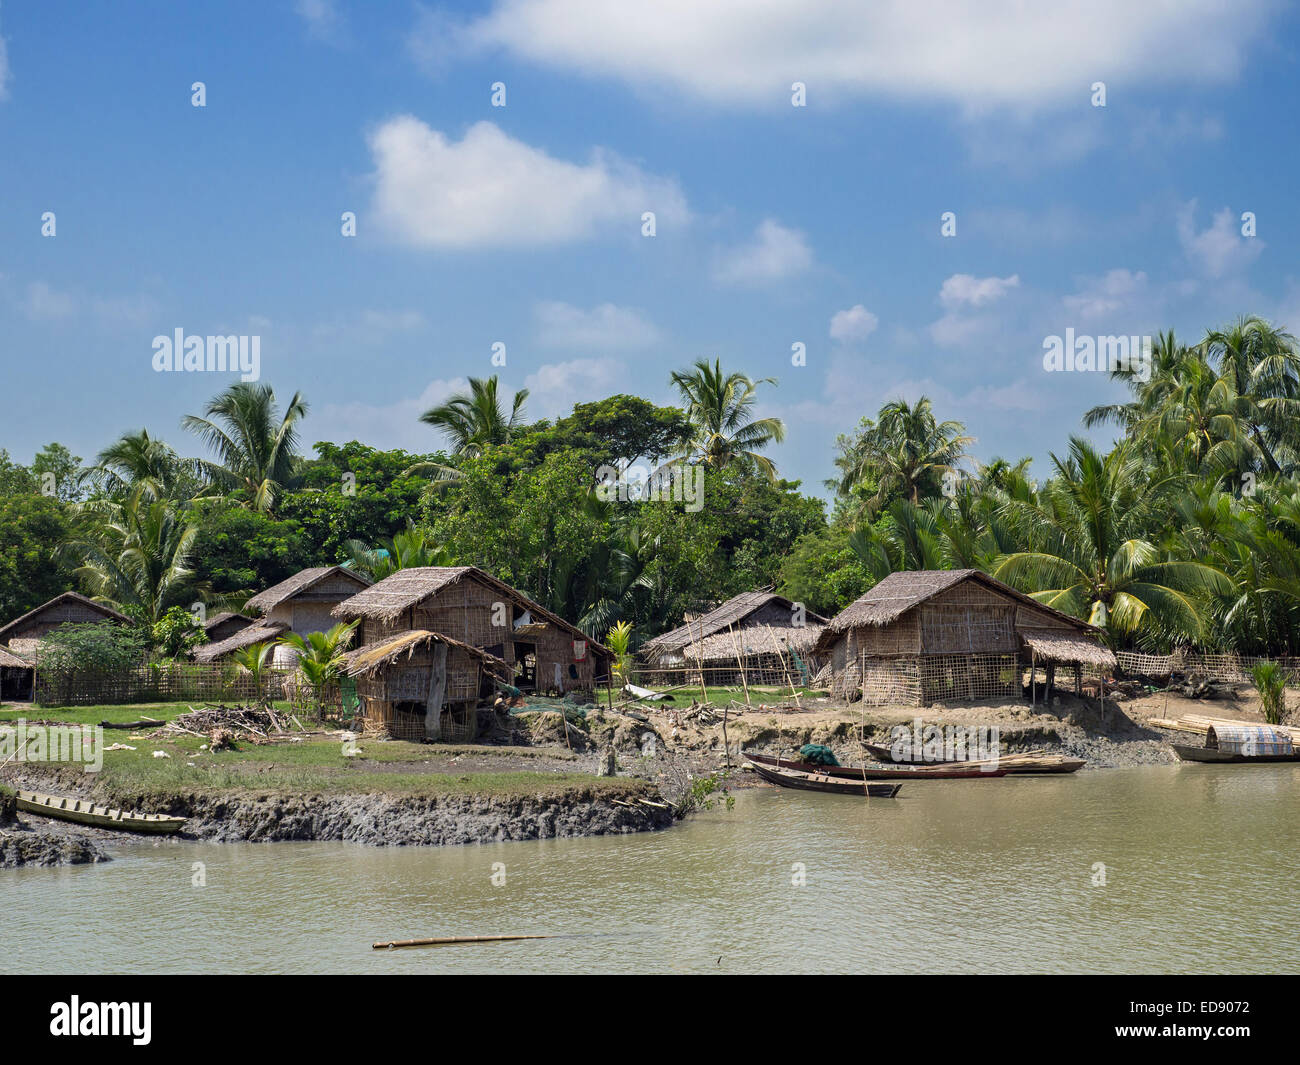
[447, 941]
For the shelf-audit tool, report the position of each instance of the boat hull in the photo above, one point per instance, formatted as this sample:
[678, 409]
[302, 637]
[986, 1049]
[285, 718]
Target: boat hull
[1213, 756]
[849, 772]
[793, 778]
[85, 812]
[884, 754]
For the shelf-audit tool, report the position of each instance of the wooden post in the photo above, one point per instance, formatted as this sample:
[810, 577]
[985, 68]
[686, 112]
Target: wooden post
[726, 747]
[789, 679]
[699, 658]
[735, 646]
[437, 689]
[1033, 678]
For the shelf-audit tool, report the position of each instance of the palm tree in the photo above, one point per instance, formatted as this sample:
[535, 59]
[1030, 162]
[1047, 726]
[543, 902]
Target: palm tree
[904, 451]
[720, 407]
[255, 661]
[140, 459]
[256, 447]
[320, 657]
[134, 554]
[1088, 550]
[409, 548]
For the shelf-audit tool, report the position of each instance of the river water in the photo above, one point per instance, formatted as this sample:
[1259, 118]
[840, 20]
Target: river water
[1200, 875]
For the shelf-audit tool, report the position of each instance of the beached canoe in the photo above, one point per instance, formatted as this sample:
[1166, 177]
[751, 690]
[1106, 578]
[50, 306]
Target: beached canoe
[1216, 757]
[1239, 743]
[85, 812]
[793, 778]
[902, 772]
[1015, 764]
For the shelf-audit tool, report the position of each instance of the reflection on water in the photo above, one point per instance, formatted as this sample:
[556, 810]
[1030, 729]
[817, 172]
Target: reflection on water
[952, 877]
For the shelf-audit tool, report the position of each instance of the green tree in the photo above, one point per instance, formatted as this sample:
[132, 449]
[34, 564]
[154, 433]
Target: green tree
[720, 408]
[255, 445]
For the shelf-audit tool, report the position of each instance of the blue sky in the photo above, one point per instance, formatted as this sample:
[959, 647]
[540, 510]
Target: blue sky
[521, 224]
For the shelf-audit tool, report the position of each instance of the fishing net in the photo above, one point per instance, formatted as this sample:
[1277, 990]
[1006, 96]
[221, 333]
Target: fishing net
[817, 754]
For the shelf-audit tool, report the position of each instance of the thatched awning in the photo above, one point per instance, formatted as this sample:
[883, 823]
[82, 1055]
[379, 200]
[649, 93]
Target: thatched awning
[387, 600]
[1052, 645]
[726, 615]
[9, 660]
[254, 634]
[751, 640]
[268, 600]
[368, 660]
[33, 615]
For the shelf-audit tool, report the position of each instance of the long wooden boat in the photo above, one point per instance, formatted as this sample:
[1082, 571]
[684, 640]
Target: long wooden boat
[1210, 754]
[850, 772]
[85, 812]
[793, 778]
[1015, 764]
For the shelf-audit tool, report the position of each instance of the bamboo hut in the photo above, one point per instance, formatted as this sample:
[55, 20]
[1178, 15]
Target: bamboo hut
[17, 676]
[421, 685]
[923, 636]
[248, 636]
[758, 637]
[23, 635]
[225, 624]
[542, 651]
[302, 604]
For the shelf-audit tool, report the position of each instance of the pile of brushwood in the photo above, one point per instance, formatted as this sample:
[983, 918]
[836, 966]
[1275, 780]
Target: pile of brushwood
[222, 725]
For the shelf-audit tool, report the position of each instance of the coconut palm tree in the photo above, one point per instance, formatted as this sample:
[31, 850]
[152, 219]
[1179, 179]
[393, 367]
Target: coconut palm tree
[905, 452]
[1089, 551]
[473, 422]
[320, 657]
[140, 459]
[255, 445]
[720, 408]
[134, 554]
[256, 661]
[409, 548]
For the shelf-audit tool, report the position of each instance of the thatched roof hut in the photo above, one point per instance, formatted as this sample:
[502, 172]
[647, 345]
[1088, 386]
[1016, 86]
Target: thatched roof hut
[8, 660]
[464, 602]
[919, 635]
[23, 634]
[316, 583]
[422, 685]
[748, 610]
[227, 623]
[248, 636]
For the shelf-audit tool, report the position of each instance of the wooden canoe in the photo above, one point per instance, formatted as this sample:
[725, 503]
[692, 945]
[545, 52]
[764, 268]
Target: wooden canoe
[902, 772]
[1217, 757]
[793, 778]
[1015, 764]
[85, 812]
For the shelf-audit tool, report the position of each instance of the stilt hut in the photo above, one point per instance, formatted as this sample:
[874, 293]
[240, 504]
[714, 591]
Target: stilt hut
[760, 637]
[924, 636]
[421, 685]
[542, 651]
[23, 635]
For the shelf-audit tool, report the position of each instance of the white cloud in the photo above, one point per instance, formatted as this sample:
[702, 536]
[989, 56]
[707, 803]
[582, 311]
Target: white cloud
[554, 388]
[776, 252]
[393, 425]
[966, 290]
[490, 190]
[1118, 290]
[856, 323]
[1220, 250]
[44, 303]
[999, 52]
[562, 325]
[323, 18]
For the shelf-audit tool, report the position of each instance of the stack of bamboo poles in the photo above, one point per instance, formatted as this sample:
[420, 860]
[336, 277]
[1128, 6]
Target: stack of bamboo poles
[1200, 724]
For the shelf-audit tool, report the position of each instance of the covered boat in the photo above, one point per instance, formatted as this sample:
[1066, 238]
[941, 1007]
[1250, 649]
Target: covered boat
[1241, 744]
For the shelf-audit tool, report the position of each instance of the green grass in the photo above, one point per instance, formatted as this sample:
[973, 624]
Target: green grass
[93, 715]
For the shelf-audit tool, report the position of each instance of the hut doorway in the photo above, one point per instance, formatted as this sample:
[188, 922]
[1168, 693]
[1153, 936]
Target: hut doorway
[16, 683]
[526, 663]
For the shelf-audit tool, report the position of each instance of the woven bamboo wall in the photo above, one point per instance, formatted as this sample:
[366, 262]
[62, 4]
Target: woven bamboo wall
[47, 621]
[949, 628]
[901, 637]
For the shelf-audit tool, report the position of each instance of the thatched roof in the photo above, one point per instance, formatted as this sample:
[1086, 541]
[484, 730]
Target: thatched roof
[731, 613]
[67, 597]
[224, 616]
[300, 582]
[9, 660]
[246, 637]
[1052, 645]
[367, 660]
[905, 590]
[388, 599]
[750, 640]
